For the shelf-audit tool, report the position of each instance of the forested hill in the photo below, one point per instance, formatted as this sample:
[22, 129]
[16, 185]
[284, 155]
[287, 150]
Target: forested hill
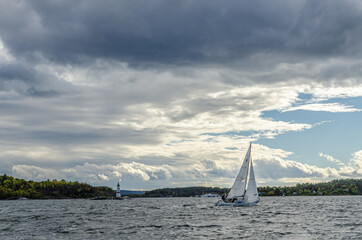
[335, 187]
[184, 192]
[13, 188]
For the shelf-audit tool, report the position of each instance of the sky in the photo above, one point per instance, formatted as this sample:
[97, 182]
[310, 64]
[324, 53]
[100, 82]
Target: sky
[170, 93]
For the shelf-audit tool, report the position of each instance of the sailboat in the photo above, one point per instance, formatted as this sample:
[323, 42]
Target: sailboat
[244, 191]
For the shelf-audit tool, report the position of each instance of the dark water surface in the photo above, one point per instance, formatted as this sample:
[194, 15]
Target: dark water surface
[323, 217]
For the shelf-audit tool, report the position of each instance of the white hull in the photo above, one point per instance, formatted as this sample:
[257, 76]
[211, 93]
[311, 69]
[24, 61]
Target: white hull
[237, 203]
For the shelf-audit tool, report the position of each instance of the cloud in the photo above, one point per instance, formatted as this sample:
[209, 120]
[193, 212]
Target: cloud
[170, 90]
[331, 159]
[326, 107]
[186, 32]
[292, 172]
[277, 169]
[96, 173]
[354, 167]
[270, 165]
[19, 78]
[325, 93]
[33, 172]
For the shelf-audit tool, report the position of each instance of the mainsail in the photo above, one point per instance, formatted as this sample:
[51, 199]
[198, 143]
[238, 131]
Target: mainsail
[239, 186]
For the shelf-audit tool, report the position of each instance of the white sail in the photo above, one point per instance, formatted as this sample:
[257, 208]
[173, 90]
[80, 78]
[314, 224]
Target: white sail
[239, 194]
[251, 194]
[238, 188]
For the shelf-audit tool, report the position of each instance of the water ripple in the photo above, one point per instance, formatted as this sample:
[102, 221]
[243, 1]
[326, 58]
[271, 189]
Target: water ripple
[183, 218]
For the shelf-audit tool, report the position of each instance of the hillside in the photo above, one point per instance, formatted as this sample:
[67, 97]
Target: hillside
[184, 192]
[13, 188]
[334, 187]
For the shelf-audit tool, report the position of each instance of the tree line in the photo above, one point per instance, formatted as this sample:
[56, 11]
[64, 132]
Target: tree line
[184, 192]
[13, 188]
[334, 187]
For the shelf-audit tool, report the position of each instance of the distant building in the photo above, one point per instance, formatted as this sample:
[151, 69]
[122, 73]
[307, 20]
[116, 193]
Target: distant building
[118, 193]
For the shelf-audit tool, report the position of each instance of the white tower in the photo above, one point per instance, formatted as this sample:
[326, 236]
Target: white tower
[118, 193]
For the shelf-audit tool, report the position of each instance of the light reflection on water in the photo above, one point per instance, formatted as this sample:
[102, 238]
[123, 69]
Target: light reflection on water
[313, 217]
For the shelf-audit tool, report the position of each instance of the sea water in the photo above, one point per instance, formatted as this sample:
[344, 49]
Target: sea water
[315, 217]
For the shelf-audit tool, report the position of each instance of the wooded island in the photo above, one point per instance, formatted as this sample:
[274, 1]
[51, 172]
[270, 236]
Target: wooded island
[13, 188]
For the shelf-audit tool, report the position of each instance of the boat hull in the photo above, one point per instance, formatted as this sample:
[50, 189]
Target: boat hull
[238, 203]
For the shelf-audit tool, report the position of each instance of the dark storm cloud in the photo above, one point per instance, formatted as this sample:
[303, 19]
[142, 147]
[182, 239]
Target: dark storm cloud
[24, 79]
[12, 72]
[179, 31]
[21, 79]
[86, 136]
[98, 82]
[32, 91]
